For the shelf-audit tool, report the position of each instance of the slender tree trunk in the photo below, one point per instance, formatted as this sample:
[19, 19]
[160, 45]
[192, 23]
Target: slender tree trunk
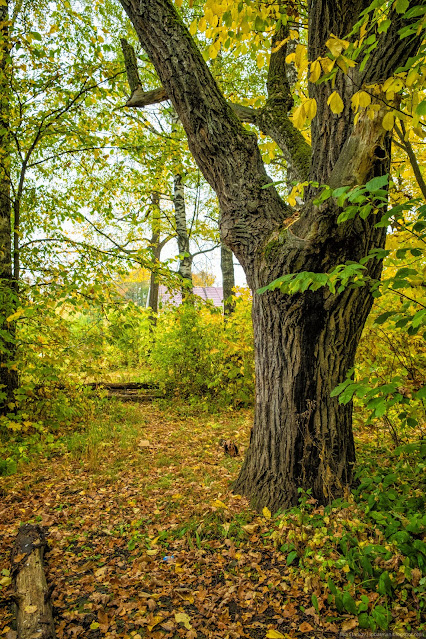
[185, 261]
[228, 279]
[156, 247]
[8, 293]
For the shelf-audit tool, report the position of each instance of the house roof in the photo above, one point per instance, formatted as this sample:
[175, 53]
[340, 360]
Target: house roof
[212, 293]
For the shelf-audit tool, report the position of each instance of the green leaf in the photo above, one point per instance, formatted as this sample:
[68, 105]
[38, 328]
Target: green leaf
[384, 586]
[291, 557]
[384, 26]
[421, 108]
[401, 5]
[349, 603]
[377, 183]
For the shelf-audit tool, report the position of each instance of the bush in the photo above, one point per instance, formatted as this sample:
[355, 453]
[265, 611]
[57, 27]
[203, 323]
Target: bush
[196, 353]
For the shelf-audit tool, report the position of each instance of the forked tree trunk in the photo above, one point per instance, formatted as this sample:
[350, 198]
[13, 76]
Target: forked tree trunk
[306, 343]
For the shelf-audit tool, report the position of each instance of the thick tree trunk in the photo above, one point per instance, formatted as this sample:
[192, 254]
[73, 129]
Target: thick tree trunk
[304, 344]
[34, 610]
[8, 298]
[228, 278]
[302, 438]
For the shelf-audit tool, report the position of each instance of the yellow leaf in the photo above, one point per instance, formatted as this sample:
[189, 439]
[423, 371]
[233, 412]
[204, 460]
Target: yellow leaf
[275, 634]
[151, 553]
[157, 619]
[311, 108]
[335, 102]
[346, 568]
[300, 54]
[327, 64]
[412, 77]
[260, 60]
[181, 617]
[30, 609]
[218, 504]
[290, 58]
[388, 121]
[336, 45]
[94, 625]
[250, 528]
[193, 27]
[299, 116]
[5, 581]
[14, 316]
[266, 513]
[315, 71]
[345, 63]
[360, 99]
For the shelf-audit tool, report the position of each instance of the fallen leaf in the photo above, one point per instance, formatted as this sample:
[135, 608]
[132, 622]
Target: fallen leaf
[182, 617]
[349, 625]
[156, 620]
[144, 443]
[30, 609]
[275, 634]
[266, 513]
[5, 581]
[305, 627]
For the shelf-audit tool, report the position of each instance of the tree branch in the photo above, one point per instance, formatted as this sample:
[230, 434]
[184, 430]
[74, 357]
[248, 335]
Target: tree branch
[226, 153]
[406, 146]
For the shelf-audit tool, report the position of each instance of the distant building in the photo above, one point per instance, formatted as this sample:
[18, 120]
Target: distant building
[212, 293]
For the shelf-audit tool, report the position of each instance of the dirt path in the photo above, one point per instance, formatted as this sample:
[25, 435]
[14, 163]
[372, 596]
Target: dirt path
[148, 541]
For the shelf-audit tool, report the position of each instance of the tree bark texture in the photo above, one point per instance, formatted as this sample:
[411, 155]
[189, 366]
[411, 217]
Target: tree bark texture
[34, 610]
[185, 261]
[8, 374]
[228, 279]
[305, 343]
[156, 245]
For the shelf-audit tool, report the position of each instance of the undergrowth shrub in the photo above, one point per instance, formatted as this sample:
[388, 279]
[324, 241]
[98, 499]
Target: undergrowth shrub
[196, 353]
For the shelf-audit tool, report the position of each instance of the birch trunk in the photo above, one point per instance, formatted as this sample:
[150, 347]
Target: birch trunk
[185, 261]
[228, 278]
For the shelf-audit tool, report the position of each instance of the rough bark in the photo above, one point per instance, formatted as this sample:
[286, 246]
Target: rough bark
[8, 374]
[34, 610]
[228, 279]
[304, 344]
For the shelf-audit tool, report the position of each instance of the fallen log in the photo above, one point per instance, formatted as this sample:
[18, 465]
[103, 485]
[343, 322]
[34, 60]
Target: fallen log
[132, 397]
[32, 597]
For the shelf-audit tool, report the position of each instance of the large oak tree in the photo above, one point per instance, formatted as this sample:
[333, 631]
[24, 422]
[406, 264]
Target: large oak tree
[304, 343]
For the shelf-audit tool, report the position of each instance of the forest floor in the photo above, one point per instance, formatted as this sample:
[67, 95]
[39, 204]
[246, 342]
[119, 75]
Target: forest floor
[148, 541]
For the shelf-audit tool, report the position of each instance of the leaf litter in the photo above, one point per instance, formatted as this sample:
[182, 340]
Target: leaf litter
[148, 541]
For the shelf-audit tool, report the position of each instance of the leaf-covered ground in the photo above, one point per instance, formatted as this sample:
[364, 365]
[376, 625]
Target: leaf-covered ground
[147, 540]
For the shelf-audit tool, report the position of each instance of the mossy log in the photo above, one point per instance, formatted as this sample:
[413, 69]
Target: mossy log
[33, 607]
